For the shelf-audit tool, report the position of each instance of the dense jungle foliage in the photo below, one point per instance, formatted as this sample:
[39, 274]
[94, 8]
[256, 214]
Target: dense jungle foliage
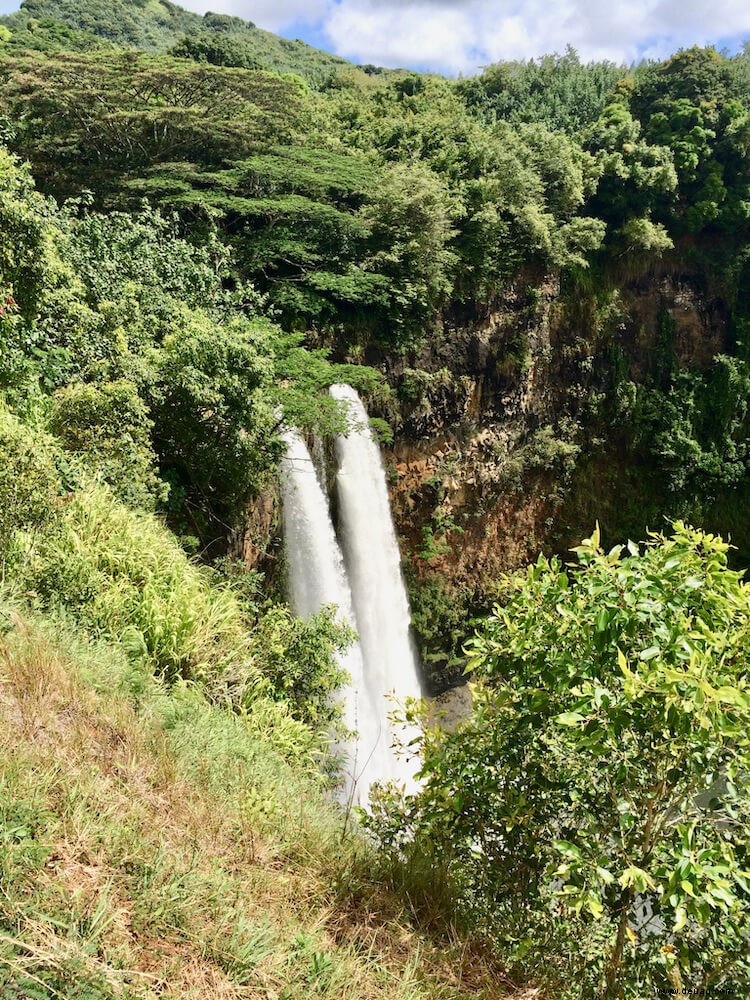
[202, 227]
[365, 207]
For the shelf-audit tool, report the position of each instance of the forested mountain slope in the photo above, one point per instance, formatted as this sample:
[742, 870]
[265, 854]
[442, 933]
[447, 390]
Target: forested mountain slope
[548, 262]
[160, 26]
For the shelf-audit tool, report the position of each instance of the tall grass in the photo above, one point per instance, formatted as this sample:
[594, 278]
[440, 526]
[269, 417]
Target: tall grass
[124, 574]
[159, 848]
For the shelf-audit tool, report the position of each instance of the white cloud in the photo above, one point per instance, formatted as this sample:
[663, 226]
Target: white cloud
[414, 33]
[273, 15]
[462, 35]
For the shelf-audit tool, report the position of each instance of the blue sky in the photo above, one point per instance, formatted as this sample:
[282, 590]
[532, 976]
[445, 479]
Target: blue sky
[460, 36]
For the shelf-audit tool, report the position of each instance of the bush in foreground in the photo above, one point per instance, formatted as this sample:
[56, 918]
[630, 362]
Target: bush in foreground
[593, 814]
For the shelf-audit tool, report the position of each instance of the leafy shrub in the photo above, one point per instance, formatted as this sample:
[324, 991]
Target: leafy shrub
[439, 616]
[695, 429]
[119, 255]
[29, 483]
[547, 450]
[24, 223]
[123, 574]
[299, 657]
[108, 425]
[213, 416]
[604, 771]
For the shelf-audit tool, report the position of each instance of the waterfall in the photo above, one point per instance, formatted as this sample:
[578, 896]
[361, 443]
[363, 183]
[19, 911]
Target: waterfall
[317, 577]
[373, 564]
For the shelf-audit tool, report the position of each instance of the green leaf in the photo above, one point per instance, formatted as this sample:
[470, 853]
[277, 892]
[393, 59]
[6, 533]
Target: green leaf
[650, 653]
[733, 696]
[602, 620]
[722, 894]
[570, 719]
[638, 878]
[567, 849]
[623, 664]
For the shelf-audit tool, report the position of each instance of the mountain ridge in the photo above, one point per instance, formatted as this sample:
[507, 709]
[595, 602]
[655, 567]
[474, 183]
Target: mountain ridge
[159, 26]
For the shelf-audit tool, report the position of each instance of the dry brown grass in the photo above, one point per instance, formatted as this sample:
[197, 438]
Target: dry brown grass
[158, 874]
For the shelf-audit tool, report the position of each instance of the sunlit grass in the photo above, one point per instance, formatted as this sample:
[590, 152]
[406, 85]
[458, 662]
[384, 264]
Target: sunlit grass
[153, 845]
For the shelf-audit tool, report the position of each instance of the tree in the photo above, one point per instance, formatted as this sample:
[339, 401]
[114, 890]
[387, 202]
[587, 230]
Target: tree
[410, 219]
[604, 770]
[89, 120]
[108, 426]
[694, 104]
[635, 178]
[292, 214]
[25, 225]
[558, 91]
[213, 419]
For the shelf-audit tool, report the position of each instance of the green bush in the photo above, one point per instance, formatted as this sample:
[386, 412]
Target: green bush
[123, 574]
[29, 482]
[604, 767]
[440, 613]
[214, 418]
[25, 227]
[299, 658]
[108, 426]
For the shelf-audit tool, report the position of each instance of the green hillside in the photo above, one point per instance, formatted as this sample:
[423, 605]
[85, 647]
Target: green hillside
[159, 26]
[152, 846]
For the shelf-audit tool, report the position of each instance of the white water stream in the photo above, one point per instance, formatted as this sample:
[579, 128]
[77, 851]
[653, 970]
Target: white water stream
[373, 565]
[364, 583]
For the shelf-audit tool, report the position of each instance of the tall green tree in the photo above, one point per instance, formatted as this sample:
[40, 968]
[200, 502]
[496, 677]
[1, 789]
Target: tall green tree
[693, 104]
[85, 121]
[556, 90]
[636, 178]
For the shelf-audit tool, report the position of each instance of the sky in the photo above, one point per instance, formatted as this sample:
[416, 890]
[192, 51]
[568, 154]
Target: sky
[463, 35]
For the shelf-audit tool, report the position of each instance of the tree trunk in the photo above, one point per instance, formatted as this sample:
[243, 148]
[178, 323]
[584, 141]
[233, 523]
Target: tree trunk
[611, 970]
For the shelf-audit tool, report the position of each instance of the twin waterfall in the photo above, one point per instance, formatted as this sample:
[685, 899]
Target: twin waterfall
[360, 572]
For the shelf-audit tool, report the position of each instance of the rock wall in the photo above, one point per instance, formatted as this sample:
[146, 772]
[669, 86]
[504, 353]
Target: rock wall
[505, 443]
[501, 449]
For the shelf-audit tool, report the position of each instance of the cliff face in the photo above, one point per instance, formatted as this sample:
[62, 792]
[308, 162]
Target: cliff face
[511, 437]
[509, 441]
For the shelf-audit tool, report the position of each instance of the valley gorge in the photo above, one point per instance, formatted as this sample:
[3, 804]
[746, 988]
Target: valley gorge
[327, 386]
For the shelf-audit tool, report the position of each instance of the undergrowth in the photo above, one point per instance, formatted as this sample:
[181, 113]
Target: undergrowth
[120, 575]
[154, 845]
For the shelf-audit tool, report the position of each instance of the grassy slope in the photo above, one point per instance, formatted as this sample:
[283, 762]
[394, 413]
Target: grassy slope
[156, 25]
[150, 846]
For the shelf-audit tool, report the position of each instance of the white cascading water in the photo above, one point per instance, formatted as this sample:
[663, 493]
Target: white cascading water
[373, 565]
[317, 577]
